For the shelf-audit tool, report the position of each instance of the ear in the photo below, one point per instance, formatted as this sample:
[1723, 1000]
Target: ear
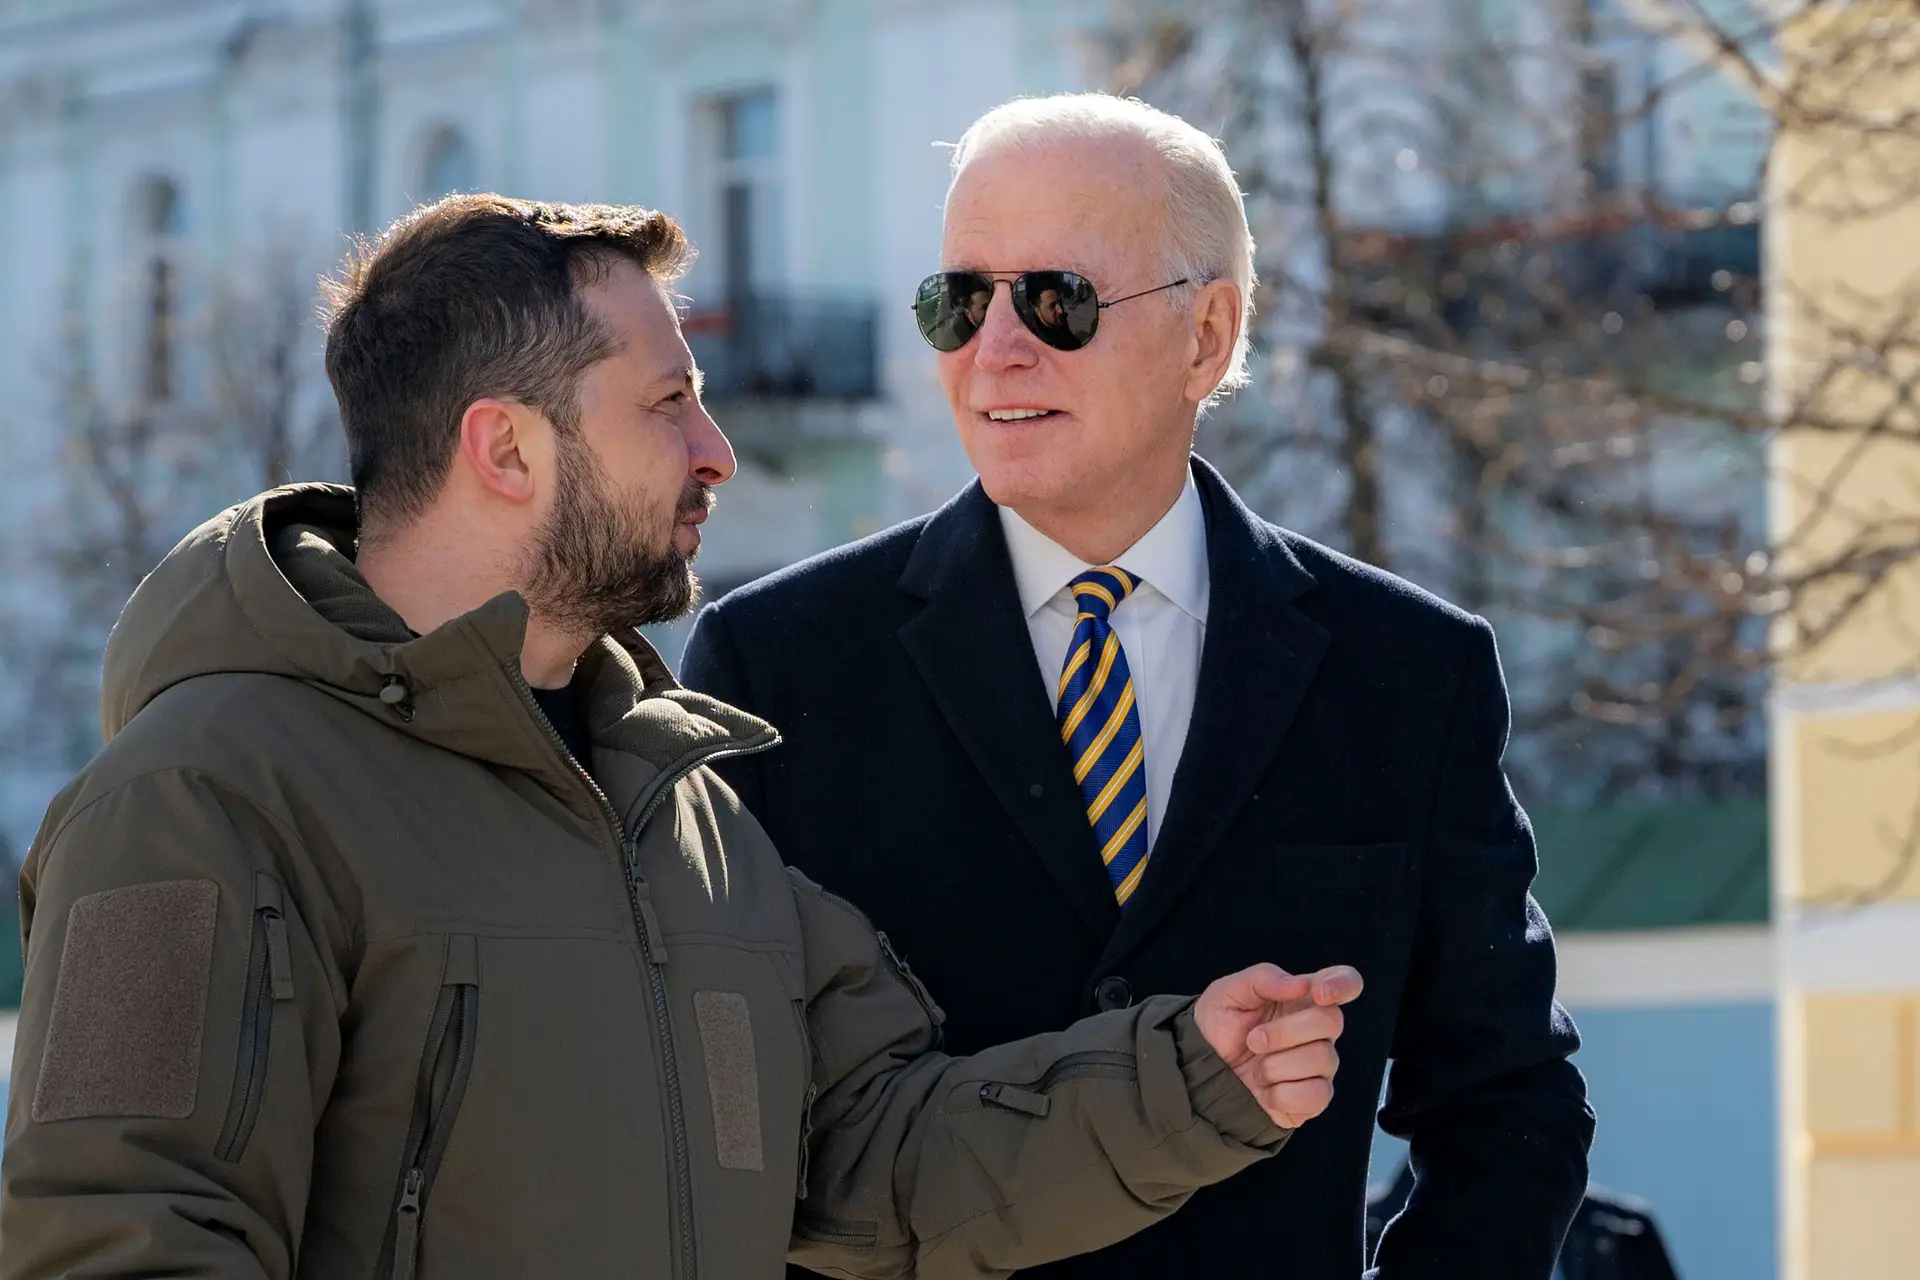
[1217, 315]
[501, 447]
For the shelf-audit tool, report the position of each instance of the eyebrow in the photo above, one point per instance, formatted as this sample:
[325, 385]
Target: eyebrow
[688, 377]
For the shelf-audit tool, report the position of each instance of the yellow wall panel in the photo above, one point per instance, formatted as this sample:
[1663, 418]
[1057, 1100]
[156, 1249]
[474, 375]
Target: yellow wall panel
[1864, 1219]
[1843, 245]
[1859, 780]
[1854, 1077]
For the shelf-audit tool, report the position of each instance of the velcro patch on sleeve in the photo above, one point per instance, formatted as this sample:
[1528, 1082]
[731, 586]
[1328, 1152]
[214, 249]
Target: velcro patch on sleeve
[733, 1077]
[130, 1005]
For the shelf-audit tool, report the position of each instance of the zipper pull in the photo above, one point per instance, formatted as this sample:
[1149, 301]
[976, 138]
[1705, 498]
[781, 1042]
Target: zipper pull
[806, 1138]
[279, 955]
[649, 922]
[406, 1240]
[1014, 1098]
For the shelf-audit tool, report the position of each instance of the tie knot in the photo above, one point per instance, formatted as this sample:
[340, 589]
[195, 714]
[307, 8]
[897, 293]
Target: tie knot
[1100, 591]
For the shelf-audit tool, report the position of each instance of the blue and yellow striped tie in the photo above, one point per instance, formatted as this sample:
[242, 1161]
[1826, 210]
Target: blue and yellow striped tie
[1101, 727]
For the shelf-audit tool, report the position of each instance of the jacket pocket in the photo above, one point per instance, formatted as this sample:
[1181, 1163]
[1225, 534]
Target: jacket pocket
[1034, 1099]
[446, 1062]
[269, 981]
[924, 997]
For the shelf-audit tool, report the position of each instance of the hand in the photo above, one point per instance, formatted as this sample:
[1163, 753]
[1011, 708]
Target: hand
[1276, 1030]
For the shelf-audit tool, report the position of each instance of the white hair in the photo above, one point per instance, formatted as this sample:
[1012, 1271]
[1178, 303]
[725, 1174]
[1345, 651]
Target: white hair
[1206, 218]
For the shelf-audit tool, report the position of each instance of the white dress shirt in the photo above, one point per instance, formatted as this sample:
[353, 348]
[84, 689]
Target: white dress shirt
[1161, 625]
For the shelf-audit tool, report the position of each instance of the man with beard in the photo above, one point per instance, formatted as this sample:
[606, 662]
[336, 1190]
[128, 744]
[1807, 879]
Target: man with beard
[400, 928]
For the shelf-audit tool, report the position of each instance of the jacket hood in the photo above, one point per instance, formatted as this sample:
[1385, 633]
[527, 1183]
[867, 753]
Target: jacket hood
[269, 587]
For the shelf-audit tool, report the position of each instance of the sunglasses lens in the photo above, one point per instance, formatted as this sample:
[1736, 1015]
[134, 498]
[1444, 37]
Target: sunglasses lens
[950, 308]
[1060, 308]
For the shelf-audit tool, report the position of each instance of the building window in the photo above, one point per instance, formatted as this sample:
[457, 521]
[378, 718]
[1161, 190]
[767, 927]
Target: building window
[447, 165]
[161, 224]
[747, 194]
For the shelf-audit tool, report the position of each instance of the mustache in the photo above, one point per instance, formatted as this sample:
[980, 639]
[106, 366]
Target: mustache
[695, 499]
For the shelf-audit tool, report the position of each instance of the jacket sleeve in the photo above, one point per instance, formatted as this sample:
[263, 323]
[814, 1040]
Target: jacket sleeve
[711, 665]
[1495, 1116]
[178, 1036]
[933, 1166]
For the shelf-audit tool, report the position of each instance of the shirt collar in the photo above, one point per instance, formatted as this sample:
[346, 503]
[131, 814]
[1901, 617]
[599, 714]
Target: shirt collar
[1171, 557]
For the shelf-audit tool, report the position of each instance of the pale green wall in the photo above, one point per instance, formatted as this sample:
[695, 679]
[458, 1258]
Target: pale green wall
[635, 111]
[222, 196]
[511, 46]
[840, 153]
[77, 175]
[10, 274]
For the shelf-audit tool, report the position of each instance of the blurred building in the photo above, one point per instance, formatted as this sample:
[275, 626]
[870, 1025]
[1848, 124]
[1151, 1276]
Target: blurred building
[150, 151]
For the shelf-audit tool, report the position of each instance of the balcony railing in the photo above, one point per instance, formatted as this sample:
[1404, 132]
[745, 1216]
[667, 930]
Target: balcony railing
[787, 346]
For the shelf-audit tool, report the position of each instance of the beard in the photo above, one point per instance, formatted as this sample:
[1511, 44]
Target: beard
[600, 564]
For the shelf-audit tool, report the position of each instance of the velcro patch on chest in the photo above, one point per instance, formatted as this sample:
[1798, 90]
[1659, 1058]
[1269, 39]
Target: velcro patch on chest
[733, 1077]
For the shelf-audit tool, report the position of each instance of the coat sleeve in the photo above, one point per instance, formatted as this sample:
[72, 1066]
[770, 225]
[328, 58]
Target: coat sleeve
[178, 1036]
[1495, 1116]
[711, 665]
[939, 1167]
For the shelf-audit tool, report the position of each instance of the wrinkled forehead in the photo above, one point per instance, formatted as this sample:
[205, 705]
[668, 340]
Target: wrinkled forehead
[1090, 205]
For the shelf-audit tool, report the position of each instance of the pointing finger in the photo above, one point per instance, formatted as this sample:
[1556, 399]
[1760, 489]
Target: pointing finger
[1271, 984]
[1337, 984]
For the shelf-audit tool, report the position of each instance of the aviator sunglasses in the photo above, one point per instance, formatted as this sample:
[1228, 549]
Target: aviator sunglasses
[1058, 307]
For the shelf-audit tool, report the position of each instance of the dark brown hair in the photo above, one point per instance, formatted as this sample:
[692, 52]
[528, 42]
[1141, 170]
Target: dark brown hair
[473, 296]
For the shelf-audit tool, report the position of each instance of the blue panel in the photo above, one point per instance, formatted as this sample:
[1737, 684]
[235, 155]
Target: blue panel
[1685, 1098]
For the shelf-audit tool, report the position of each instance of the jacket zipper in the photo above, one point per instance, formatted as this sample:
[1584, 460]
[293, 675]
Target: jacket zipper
[652, 941]
[652, 944]
[806, 1102]
[1034, 1099]
[1092, 1064]
[901, 970]
[919, 989]
[269, 979]
[454, 1029]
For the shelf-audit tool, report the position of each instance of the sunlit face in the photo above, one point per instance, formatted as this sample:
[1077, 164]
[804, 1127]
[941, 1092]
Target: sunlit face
[634, 484]
[1114, 419]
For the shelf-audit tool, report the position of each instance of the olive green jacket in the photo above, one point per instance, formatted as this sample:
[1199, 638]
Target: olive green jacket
[338, 964]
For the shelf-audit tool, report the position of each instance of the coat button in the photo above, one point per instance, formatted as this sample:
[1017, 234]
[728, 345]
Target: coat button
[1112, 993]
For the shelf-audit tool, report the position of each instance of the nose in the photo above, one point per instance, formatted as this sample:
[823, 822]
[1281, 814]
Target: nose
[1003, 342]
[709, 455]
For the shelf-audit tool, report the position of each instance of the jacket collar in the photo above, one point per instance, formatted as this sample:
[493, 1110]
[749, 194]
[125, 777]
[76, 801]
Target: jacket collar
[270, 587]
[1170, 558]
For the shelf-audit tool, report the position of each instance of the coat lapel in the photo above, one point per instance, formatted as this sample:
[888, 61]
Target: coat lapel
[1258, 659]
[972, 647]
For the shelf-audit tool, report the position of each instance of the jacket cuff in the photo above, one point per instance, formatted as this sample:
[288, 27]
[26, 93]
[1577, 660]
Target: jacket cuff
[1218, 1096]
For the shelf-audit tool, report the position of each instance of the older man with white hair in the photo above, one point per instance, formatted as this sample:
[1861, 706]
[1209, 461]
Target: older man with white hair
[1094, 730]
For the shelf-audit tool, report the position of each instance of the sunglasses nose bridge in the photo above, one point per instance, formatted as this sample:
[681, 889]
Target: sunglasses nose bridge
[1003, 321]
